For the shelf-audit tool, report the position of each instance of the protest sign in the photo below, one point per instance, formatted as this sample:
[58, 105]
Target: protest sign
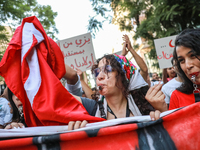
[78, 51]
[164, 49]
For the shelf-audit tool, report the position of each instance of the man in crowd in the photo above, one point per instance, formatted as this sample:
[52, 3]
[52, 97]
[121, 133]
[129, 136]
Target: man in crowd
[155, 79]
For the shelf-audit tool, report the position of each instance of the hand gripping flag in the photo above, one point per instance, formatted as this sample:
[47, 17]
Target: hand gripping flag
[32, 66]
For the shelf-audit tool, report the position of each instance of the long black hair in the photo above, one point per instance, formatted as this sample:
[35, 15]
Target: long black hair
[189, 38]
[16, 115]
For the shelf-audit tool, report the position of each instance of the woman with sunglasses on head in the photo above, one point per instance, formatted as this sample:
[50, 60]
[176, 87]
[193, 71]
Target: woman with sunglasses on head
[187, 57]
[122, 92]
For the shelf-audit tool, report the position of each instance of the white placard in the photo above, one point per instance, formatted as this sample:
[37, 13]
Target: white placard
[164, 49]
[78, 51]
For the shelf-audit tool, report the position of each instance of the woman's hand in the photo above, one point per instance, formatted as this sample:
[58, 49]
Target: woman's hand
[80, 73]
[157, 98]
[124, 50]
[127, 44]
[14, 125]
[155, 115]
[72, 125]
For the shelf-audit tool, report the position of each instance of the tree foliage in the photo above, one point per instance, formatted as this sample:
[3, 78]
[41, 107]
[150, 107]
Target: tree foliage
[162, 17]
[16, 10]
[102, 9]
[13, 11]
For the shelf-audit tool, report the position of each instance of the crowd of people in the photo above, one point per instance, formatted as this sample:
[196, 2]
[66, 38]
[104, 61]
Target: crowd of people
[121, 89]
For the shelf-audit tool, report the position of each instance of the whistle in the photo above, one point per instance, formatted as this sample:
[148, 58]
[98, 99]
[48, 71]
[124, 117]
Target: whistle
[99, 88]
[193, 78]
[20, 109]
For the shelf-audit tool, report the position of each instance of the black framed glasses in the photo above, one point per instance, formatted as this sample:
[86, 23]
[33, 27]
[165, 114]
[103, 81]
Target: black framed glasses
[105, 69]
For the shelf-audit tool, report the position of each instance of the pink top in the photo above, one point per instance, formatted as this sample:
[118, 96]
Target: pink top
[168, 79]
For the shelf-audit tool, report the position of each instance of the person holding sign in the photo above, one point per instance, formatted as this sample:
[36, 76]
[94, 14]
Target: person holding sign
[86, 89]
[73, 84]
[122, 92]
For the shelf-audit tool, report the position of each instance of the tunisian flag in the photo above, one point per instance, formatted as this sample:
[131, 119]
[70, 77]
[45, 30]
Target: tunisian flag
[32, 66]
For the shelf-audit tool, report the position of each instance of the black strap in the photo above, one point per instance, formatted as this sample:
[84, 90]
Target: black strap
[127, 111]
[101, 108]
[110, 111]
[197, 97]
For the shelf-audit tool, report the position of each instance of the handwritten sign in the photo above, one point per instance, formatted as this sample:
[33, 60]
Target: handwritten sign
[78, 51]
[164, 49]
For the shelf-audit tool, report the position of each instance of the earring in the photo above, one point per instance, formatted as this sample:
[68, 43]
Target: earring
[196, 90]
[20, 109]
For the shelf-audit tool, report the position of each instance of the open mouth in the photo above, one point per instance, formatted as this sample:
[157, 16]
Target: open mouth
[194, 74]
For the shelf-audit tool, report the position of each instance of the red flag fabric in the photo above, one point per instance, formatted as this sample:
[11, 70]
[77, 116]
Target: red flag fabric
[32, 66]
[177, 130]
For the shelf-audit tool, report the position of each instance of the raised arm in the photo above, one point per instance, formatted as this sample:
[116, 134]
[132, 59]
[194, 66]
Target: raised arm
[127, 47]
[88, 91]
[70, 75]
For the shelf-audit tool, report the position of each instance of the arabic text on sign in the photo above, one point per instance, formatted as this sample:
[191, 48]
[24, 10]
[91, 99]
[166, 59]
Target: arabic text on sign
[78, 43]
[83, 62]
[73, 53]
[165, 56]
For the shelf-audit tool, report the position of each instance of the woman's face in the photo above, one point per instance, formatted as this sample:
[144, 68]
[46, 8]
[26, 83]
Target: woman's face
[171, 72]
[188, 62]
[107, 81]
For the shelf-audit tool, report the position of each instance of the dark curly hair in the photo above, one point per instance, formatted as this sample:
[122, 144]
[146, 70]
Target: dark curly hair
[110, 60]
[139, 97]
[189, 38]
[138, 94]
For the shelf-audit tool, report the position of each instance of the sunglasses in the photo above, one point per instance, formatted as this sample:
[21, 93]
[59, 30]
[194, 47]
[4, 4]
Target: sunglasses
[105, 69]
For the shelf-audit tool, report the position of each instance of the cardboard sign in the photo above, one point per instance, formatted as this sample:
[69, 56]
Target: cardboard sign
[164, 49]
[78, 51]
